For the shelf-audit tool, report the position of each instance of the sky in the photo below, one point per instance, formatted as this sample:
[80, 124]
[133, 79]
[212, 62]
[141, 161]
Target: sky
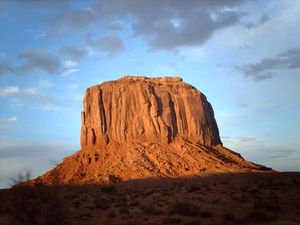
[243, 55]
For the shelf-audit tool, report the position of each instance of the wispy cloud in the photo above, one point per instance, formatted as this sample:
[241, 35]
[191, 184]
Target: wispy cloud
[9, 120]
[68, 71]
[31, 97]
[244, 46]
[267, 67]
[74, 52]
[8, 91]
[70, 63]
[259, 105]
[112, 44]
[6, 66]
[45, 84]
[246, 139]
[264, 18]
[39, 59]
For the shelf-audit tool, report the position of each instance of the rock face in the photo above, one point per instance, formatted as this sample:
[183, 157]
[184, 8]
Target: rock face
[139, 127]
[140, 109]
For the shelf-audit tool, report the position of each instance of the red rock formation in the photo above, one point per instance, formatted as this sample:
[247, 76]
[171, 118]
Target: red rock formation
[140, 109]
[138, 127]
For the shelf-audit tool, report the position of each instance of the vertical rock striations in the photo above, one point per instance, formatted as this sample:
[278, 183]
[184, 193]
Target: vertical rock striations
[140, 109]
[138, 127]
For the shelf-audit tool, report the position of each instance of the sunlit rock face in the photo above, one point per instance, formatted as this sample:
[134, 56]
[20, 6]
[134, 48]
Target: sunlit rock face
[140, 109]
[139, 127]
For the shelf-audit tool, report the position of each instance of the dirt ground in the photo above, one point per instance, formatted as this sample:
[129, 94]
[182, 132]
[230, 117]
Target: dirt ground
[206, 199]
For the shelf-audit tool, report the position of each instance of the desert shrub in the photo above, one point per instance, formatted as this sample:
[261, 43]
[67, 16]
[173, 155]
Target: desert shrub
[184, 208]
[296, 181]
[172, 220]
[90, 205]
[109, 189]
[191, 222]
[274, 207]
[153, 210]
[192, 188]
[124, 210]
[111, 213]
[228, 216]
[84, 197]
[31, 203]
[285, 223]
[85, 213]
[76, 202]
[255, 217]
[165, 193]
[103, 203]
[135, 203]
[215, 201]
[253, 191]
[206, 214]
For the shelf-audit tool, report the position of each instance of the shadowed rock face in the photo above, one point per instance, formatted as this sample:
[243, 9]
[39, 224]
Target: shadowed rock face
[140, 109]
[138, 127]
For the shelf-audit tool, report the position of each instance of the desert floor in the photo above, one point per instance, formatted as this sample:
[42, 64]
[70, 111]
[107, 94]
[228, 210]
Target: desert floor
[207, 198]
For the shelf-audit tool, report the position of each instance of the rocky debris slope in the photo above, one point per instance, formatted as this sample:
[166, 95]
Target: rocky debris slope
[139, 127]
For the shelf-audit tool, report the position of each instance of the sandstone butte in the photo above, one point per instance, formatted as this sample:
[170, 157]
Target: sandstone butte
[138, 127]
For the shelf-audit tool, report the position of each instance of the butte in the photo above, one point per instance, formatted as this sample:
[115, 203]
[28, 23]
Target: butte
[138, 127]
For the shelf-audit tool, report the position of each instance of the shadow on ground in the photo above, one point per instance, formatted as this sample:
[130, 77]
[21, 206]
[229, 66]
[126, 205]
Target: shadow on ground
[208, 198]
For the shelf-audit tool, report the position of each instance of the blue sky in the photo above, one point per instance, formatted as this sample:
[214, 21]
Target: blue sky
[243, 55]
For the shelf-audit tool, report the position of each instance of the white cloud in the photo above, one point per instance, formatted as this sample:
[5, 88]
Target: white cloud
[12, 119]
[70, 63]
[9, 120]
[39, 35]
[68, 72]
[31, 96]
[10, 90]
[2, 54]
[45, 83]
[30, 91]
